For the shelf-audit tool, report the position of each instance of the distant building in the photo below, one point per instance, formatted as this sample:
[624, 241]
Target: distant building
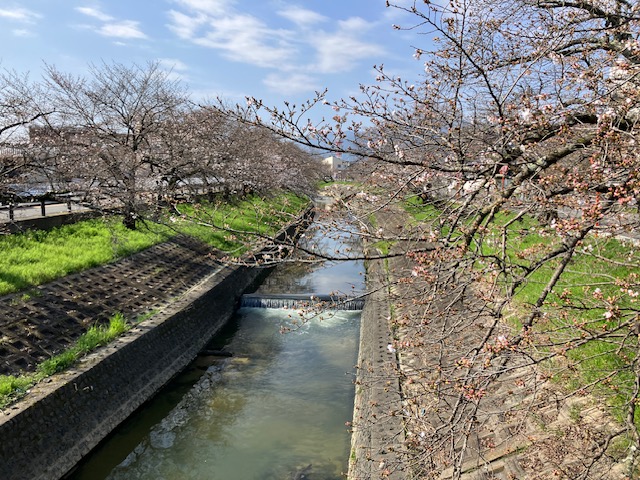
[336, 166]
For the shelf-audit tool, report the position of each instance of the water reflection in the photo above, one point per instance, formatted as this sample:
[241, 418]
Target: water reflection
[312, 275]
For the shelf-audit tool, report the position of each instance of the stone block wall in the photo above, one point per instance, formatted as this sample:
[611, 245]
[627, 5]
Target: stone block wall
[376, 436]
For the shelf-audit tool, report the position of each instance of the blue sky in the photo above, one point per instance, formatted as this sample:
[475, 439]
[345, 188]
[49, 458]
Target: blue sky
[270, 49]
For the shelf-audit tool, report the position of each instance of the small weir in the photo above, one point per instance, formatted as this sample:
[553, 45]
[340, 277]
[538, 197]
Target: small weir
[257, 404]
[302, 301]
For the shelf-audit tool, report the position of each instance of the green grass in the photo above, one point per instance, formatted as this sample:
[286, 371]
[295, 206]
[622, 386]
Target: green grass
[14, 387]
[36, 257]
[595, 267]
[420, 211]
[238, 227]
[383, 247]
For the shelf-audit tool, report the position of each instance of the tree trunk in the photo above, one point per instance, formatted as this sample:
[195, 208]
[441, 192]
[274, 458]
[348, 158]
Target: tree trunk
[129, 218]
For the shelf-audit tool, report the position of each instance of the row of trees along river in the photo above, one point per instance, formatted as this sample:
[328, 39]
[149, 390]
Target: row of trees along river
[128, 137]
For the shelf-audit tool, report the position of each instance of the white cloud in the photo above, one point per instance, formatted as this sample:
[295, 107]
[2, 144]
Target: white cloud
[95, 13]
[210, 7]
[240, 37]
[19, 14]
[302, 16]
[296, 55]
[185, 26]
[290, 83]
[122, 29]
[245, 38]
[339, 51]
[111, 26]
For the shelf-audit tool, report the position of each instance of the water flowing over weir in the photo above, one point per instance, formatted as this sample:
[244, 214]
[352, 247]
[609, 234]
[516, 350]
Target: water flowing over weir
[301, 301]
[273, 407]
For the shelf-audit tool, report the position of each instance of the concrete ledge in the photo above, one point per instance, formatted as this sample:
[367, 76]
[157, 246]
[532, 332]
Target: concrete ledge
[49, 222]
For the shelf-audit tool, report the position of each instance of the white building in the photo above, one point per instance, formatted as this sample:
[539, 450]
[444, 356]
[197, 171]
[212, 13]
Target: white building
[336, 166]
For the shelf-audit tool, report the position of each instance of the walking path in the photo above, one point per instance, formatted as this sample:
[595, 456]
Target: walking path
[29, 211]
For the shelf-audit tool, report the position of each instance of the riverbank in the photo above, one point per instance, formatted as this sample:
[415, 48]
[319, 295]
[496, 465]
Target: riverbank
[60, 420]
[378, 439]
[543, 436]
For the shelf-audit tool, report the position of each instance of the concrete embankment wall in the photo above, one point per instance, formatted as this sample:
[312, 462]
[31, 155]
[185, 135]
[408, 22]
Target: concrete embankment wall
[377, 439]
[47, 433]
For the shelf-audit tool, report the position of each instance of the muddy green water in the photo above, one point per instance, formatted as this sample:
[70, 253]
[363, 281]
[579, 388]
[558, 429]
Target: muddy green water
[271, 411]
[274, 410]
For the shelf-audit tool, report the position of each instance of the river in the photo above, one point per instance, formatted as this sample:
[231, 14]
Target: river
[278, 408]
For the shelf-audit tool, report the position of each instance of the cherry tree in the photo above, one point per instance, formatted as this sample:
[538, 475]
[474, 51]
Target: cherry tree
[211, 153]
[107, 128]
[19, 108]
[518, 144]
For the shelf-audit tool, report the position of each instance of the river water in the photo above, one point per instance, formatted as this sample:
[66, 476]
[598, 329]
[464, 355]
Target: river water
[274, 410]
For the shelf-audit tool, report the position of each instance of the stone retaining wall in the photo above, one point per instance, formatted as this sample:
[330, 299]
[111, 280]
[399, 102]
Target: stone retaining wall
[59, 422]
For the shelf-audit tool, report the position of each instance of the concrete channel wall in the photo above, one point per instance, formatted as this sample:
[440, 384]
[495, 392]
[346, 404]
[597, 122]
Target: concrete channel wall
[377, 436]
[60, 421]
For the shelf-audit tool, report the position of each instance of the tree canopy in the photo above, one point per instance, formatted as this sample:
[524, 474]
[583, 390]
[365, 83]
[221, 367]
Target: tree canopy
[129, 139]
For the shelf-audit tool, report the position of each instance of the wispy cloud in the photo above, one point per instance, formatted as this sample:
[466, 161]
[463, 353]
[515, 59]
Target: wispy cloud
[123, 29]
[287, 42]
[19, 14]
[112, 27]
[302, 16]
[95, 13]
[209, 7]
[291, 83]
[186, 26]
[247, 39]
[339, 51]
[239, 37]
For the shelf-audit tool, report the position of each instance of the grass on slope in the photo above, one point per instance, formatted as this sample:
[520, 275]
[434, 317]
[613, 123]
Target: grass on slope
[596, 293]
[13, 387]
[36, 257]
